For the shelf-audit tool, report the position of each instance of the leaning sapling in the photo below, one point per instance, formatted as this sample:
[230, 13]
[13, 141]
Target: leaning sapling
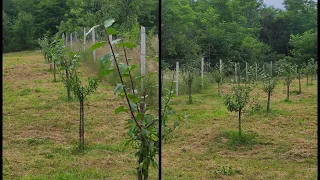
[143, 129]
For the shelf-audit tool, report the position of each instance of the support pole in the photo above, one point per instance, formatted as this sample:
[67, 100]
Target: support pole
[110, 39]
[143, 54]
[177, 78]
[202, 66]
[247, 72]
[71, 41]
[220, 70]
[93, 41]
[235, 72]
[84, 38]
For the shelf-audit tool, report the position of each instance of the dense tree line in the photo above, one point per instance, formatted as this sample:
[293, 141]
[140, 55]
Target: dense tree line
[24, 21]
[238, 31]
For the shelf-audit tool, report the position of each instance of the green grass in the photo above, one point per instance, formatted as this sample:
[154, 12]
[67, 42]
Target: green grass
[281, 144]
[40, 127]
[247, 139]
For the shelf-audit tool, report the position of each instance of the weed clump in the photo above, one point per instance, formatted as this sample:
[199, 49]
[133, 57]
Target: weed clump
[234, 141]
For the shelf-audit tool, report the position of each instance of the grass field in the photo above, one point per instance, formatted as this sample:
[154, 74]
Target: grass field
[40, 132]
[285, 144]
[40, 128]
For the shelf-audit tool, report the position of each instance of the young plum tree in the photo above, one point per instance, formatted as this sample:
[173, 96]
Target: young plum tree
[269, 82]
[57, 54]
[217, 76]
[66, 65]
[44, 45]
[237, 101]
[189, 72]
[288, 71]
[311, 68]
[143, 129]
[268, 86]
[81, 91]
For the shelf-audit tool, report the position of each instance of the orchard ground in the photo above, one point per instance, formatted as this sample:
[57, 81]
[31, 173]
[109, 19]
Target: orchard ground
[284, 141]
[41, 129]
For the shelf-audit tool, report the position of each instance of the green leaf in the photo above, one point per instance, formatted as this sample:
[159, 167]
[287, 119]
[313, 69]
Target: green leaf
[97, 45]
[106, 58]
[127, 45]
[151, 73]
[116, 41]
[106, 71]
[132, 67]
[118, 88]
[108, 23]
[121, 94]
[140, 77]
[123, 67]
[145, 132]
[133, 106]
[154, 138]
[111, 31]
[121, 109]
[139, 116]
[133, 98]
[156, 59]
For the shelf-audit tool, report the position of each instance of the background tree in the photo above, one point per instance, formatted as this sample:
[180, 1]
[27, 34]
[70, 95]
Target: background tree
[288, 71]
[66, 65]
[269, 83]
[189, 72]
[217, 76]
[311, 69]
[67, 16]
[239, 31]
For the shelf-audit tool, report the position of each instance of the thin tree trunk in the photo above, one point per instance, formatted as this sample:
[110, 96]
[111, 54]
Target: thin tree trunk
[307, 79]
[82, 131]
[239, 123]
[81, 128]
[162, 74]
[299, 83]
[68, 85]
[143, 174]
[54, 70]
[138, 169]
[190, 97]
[80, 124]
[288, 92]
[268, 105]
[219, 89]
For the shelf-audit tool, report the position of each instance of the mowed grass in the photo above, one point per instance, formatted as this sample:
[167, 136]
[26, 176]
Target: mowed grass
[284, 145]
[40, 128]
